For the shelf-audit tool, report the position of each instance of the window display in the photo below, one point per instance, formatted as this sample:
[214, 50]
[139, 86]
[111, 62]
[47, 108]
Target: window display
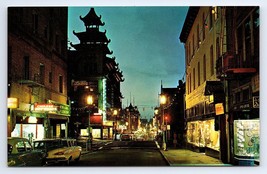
[202, 134]
[246, 138]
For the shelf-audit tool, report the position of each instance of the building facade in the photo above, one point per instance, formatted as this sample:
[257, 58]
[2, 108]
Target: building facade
[222, 74]
[37, 72]
[93, 73]
[238, 69]
[173, 114]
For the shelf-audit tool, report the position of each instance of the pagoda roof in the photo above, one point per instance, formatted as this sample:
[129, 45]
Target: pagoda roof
[112, 69]
[92, 35]
[88, 47]
[92, 19]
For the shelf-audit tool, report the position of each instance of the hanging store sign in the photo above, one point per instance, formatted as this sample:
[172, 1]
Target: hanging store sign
[219, 109]
[45, 107]
[12, 103]
[63, 109]
[80, 83]
[256, 102]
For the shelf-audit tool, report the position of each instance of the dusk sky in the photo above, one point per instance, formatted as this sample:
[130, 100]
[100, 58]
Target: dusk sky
[145, 42]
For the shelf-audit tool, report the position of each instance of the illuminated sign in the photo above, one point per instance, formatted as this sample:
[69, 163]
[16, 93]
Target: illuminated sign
[45, 107]
[219, 110]
[12, 103]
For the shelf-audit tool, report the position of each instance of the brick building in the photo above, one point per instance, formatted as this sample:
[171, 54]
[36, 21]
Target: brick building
[37, 72]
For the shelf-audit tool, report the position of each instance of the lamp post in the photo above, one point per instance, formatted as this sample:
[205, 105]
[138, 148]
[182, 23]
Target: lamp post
[89, 101]
[163, 101]
[115, 113]
[156, 112]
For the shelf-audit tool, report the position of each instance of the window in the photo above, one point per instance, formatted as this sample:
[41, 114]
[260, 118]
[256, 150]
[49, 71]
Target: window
[204, 67]
[190, 54]
[57, 42]
[35, 22]
[204, 26]
[215, 12]
[217, 47]
[198, 74]
[26, 67]
[246, 95]
[198, 39]
[21, 146]
[194, 79]
[193, 44]
[256, 26]
[211, 61]
[50, 77]
[42, 73]
[60, 83]
[210, 17]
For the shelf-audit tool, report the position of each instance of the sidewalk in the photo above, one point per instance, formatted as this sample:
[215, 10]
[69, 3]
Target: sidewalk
[184, 157]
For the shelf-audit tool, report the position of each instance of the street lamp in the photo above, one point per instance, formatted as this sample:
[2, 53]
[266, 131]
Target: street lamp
[115, 113]
[163, 101]
[89, 101]
[156, 112]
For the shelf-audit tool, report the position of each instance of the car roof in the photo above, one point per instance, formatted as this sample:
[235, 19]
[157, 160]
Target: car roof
[55, 139]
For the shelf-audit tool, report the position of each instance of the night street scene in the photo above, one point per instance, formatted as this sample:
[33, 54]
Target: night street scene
[129, 86]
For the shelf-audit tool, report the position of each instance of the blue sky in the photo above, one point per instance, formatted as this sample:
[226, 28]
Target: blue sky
[145, 42]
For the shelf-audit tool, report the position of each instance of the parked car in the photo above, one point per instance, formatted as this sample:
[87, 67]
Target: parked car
[83, 140]
[125, 137]
[59, 150]
[21, 153]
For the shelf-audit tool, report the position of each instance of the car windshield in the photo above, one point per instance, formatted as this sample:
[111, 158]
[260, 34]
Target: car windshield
[46, 145]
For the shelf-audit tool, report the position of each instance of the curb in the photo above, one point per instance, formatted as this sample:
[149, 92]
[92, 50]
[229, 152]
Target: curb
[166, 159]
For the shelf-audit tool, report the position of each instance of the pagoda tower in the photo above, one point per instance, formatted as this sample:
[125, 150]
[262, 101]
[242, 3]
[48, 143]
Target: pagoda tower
[92, 72]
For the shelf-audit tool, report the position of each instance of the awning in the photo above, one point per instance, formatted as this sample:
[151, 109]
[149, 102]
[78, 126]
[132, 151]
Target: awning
[213, 87]
[21, 113]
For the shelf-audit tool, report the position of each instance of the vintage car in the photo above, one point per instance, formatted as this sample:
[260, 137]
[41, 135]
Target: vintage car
[59, 150]
[125, 137]
[21, 153]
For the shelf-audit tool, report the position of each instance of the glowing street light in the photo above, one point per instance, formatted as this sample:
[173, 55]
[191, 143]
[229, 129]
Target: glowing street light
[163, 101]
[89, 101]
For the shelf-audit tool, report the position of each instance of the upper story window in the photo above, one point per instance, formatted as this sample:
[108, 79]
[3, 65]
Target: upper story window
[60, 83]
[215, 12]
[198, 74]
[198, 39]
[210, 18]
[204, 26]
[42, 73]
[248, 39]
[35, 22]
[204, 67]
[26, 67]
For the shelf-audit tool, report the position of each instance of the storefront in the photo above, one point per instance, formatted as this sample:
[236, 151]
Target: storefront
[202, 135]
[46, 120]
[246, 141]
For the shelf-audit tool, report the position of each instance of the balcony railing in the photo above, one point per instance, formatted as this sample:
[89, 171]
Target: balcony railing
[230, 63]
